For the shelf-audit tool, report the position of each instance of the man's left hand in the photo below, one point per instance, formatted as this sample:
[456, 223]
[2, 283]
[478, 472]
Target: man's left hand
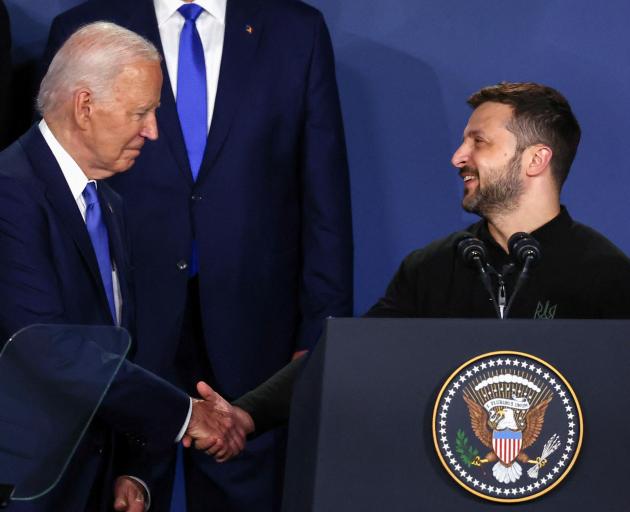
[129, 495]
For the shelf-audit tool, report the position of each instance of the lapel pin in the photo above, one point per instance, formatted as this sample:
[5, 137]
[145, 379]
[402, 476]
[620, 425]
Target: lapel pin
[249, 29]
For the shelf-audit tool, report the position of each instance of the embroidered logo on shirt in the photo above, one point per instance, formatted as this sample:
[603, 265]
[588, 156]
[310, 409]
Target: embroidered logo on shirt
[545, 311]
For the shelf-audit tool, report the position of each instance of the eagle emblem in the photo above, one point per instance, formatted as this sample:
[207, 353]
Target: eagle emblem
[507, 426]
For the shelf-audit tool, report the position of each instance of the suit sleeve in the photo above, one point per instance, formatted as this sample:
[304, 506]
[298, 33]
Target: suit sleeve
[326, 218]
[138, 404]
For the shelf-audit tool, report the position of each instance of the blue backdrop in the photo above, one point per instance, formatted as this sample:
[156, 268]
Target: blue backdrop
[405, 68]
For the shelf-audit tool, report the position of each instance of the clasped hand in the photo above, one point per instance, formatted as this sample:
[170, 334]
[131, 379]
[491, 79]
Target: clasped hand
[217, 427]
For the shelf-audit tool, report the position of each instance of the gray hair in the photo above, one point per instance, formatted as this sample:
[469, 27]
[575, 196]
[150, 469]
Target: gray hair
[92, 57]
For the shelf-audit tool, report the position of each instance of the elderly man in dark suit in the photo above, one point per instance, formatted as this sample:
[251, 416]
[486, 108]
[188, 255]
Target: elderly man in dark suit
[63, 257]
[239, 215]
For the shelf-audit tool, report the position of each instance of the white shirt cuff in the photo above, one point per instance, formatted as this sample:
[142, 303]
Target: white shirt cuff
[185, 426]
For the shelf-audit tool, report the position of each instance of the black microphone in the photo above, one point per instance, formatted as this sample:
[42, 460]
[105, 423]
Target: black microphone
[525, 249]
[472, 251]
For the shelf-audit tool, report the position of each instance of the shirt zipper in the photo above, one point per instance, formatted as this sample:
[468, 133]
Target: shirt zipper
[501, 296]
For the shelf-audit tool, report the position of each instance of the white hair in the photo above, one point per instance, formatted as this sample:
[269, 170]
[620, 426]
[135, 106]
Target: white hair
[92, 57]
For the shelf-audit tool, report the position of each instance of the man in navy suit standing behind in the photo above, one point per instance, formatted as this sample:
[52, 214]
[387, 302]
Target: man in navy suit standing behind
[239, 214]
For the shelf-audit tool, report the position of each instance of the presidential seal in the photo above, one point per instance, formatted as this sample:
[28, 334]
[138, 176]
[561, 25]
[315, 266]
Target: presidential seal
[507, 426]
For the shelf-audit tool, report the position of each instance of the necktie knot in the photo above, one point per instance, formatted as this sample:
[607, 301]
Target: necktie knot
[190, 12]
[89, 194]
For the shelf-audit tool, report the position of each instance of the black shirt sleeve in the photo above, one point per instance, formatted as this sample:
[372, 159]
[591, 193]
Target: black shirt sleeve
[269, 404]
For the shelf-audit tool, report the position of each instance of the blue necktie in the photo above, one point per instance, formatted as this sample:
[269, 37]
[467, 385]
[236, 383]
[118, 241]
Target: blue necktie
[192, 98]
[100, 242]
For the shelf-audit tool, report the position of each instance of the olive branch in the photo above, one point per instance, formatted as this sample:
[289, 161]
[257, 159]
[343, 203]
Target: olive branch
[466, 452]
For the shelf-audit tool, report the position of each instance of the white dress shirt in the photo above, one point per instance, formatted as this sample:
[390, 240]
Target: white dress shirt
[77, 181]
[211, 28]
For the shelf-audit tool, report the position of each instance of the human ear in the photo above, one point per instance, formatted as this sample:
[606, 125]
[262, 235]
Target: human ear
[83, 107]
[538, 159]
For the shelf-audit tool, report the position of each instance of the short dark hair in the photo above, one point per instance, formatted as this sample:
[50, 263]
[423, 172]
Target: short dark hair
[541, 115]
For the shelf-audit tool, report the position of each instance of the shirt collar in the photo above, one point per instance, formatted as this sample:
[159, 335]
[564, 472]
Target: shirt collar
[545, 234]
[164, 9]
[75, 177]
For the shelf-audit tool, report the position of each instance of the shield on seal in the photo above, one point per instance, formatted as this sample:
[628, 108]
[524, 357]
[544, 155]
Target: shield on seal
[507, 444]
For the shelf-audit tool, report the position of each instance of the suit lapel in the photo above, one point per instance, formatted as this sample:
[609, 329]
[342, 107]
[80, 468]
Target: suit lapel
[113, 220]
[242, 33]
[141, 19]
[59, 196]
[169, 127]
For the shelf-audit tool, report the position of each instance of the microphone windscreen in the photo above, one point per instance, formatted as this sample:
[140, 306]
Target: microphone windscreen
[470, 248]
[523, 246]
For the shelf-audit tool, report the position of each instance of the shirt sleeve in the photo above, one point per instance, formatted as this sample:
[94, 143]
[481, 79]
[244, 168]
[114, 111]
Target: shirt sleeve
[269, 404]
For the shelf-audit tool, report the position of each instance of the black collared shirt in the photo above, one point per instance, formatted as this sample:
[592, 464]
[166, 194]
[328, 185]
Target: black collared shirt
[581, 275]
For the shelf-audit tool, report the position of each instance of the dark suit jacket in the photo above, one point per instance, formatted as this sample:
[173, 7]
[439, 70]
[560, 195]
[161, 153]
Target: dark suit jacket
[5, 71]
[49, 274]
[270, 210]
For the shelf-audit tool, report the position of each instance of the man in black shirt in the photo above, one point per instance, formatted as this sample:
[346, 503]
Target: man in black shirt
[580, 275]
[516, 153]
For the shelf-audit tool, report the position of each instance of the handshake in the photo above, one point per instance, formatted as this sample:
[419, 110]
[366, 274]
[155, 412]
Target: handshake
[217, 427]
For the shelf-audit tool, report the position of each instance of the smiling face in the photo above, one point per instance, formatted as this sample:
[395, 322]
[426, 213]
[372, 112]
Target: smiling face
[489, 162]
[118, 126]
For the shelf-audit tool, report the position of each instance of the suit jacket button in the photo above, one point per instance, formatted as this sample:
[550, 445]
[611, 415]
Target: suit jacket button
[196, 197]
[182, 265]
